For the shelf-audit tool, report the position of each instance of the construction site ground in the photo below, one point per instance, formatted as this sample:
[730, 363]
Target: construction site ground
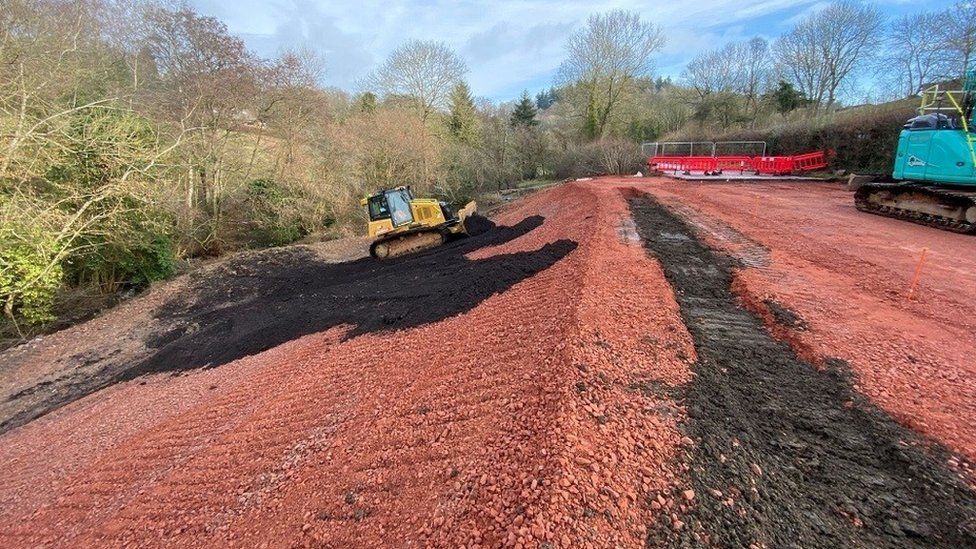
[736, 176]
[614, 362]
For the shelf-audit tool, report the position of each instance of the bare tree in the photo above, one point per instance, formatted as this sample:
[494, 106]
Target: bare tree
[757, 66]
[715, 71]
[729, 80]
[915, 53]
[604, 59]
[206, 72]
[292, 108]
[826, 47]
[799, 59]
[422, 70]
[50, 56]
[206, 81]
[959, 34]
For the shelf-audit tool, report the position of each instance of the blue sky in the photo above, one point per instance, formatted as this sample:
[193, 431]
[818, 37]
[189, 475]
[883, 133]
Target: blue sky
[509, 45]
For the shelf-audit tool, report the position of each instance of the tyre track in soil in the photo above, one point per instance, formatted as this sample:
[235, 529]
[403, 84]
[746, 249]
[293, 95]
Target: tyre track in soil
[787, 455]
[846, 274]
[532, 418]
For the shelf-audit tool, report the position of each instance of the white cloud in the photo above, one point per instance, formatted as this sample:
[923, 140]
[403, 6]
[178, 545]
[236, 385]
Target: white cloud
[508, 44]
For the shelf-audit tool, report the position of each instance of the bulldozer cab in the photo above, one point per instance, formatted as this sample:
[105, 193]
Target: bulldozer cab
[392, 204]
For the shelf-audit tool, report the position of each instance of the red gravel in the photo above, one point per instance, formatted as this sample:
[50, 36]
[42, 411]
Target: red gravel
[542, 414]
[847, 274]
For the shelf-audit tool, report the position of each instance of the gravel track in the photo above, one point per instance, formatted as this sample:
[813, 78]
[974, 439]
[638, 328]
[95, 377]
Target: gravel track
[527, 387]
[539, 415]
[787, 455]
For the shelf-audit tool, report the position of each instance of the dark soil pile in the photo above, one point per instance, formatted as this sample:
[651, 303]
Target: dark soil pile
[256, 302]
[786, 455]
[254, 306]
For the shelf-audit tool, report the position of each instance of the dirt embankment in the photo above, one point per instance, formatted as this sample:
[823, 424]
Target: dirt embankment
[257, 301]
[52, 370]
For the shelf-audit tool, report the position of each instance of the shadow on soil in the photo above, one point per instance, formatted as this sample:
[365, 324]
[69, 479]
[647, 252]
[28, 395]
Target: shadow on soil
[260, 301]
[257, 306]
[800, 458]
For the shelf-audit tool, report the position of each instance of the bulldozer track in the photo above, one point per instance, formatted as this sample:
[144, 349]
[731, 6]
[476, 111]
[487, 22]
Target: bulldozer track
[408, 243]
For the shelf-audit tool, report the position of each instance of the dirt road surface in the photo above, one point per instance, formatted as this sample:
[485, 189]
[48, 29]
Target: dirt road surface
[549, 382]
[847, 276]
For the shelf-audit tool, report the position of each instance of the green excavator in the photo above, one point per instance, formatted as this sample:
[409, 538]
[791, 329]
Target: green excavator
[935, 164]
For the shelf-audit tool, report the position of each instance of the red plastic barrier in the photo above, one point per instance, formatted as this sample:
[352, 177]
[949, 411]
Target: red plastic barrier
[685, 163]
[809, 161]
[774, 165]
[740, 163]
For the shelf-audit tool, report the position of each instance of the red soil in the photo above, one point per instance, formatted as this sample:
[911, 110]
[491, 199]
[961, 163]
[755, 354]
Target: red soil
[847, 274]
[542, 414]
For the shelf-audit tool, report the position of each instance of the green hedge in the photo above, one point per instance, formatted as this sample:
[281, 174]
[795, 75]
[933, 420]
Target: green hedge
[863, 139]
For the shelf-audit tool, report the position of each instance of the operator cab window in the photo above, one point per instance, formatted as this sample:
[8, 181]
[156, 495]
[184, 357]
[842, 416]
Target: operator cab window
[399, 205]
[378, 208]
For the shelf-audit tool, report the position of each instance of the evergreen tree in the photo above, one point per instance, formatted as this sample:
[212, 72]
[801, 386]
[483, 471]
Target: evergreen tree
[367, 102]
[591, 122]
[463, 122]
[524, 113]
[542, 100]
[787, 98]
[546, 98]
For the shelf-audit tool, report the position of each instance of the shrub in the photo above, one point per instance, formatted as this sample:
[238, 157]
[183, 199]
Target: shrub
[608, 156]
[131, 263]
[30, 276]
[149, 261]
[272, 210]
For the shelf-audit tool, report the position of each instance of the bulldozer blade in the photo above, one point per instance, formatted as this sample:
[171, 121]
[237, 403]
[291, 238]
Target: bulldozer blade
[467, 211]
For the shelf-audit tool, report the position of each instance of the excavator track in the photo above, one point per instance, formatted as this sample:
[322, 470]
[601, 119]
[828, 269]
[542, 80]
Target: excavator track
[406, 243]
[942, 208]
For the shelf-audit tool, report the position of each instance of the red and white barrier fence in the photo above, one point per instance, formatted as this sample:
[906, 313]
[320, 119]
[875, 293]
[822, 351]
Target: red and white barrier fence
[772, 165]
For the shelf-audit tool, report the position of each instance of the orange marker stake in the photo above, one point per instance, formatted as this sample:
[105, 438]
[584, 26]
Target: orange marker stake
[918, 272]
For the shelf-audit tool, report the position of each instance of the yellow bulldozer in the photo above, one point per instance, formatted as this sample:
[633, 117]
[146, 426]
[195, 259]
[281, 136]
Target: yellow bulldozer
[402, 224]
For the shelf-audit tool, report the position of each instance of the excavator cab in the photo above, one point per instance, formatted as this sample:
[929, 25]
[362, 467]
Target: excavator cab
[934, 147]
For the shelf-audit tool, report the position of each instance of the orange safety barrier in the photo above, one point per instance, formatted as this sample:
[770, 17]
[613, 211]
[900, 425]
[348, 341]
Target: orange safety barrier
[740, 163]
[685, 163]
